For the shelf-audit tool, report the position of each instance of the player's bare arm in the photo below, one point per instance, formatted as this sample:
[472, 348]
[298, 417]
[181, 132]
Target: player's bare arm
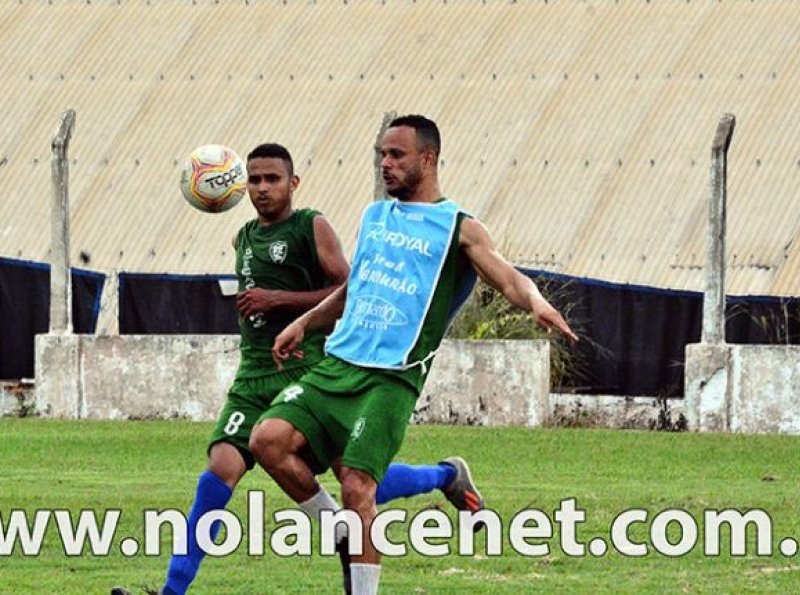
[518, 289]
[330, 254]
[323, 316]
[331, 260]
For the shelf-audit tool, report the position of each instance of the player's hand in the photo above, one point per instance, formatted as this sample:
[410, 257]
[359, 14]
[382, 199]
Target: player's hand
[256, 300]
[286, 343]
[548, 318]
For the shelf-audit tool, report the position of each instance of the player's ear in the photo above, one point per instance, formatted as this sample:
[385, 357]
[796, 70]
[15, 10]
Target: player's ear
[294, 182]
[429, 159]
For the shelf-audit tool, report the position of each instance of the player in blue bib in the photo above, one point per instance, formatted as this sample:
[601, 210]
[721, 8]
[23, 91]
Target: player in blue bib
[414, 258]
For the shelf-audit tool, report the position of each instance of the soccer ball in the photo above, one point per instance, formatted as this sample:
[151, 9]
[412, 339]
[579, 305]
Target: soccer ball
[214, 178]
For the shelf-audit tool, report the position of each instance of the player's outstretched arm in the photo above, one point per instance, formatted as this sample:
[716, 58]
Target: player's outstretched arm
[516, 287]
[333, 264]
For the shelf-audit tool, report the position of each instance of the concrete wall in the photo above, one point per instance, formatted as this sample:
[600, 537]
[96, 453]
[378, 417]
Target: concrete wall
[736, 388]
[743, 388]
[17, 398]
[133, 376]
[187, 376]
[613, 411]
[488, 383]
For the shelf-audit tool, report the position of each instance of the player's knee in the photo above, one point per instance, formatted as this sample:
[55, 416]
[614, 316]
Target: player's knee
[358, 489]
[269, 443]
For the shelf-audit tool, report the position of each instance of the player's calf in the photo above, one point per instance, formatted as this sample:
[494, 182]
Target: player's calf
[358, 495]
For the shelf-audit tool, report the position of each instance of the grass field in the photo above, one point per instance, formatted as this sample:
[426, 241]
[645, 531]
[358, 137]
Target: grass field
[132, 466]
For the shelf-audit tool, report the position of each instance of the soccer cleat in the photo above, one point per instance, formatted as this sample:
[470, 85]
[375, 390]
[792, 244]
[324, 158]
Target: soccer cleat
[344, 558]
[120, 591]
[461, 492]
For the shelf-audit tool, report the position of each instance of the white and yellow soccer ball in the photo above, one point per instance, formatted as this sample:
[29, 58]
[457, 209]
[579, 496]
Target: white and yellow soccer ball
[214, 178]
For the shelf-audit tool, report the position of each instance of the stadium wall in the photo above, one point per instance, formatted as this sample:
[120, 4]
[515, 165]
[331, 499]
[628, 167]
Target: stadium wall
[578, 131]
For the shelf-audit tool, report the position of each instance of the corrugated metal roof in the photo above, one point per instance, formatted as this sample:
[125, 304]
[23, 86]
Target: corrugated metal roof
[579, 132]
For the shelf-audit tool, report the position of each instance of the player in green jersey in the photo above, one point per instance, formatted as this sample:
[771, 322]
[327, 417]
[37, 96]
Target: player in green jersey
[351, 409]
[287, 261]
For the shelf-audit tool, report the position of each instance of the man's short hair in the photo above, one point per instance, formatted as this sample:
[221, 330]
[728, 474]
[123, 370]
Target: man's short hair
[428, 135]
[273, 151]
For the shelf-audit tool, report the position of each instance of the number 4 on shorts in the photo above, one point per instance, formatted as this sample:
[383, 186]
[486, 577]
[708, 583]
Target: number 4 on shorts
[290, 393]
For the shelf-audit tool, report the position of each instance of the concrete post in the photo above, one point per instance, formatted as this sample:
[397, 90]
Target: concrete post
[708, 385]
[380, 192]
[60, 283]
[108, 317]
[714, 297]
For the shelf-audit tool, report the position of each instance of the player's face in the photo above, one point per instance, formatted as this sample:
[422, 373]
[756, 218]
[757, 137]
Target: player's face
[402, 163]
[270, 188]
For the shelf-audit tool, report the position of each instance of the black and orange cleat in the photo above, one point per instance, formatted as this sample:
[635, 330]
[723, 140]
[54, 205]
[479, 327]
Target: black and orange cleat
[461, 492]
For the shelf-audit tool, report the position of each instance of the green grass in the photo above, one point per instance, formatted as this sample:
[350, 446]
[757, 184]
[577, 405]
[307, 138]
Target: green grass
[131, 466]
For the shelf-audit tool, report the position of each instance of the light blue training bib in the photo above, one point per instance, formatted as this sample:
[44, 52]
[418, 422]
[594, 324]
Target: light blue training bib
[401, 250]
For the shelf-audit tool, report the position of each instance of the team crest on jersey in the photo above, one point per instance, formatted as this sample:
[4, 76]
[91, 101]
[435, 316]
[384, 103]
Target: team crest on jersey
[277, 251]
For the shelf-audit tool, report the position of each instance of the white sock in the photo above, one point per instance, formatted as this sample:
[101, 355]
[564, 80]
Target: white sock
[365, 578]
[320, 501]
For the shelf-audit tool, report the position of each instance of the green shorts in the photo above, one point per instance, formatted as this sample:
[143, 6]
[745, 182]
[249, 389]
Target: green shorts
[247, 399]
[348, 411]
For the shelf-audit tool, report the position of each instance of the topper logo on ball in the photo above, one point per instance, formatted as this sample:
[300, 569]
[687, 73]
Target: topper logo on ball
[226, 178]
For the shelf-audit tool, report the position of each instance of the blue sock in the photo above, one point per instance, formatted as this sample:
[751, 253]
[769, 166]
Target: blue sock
[403, 480]
[212, 494]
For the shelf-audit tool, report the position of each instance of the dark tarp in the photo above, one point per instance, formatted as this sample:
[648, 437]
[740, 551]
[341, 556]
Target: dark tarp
[25, 310]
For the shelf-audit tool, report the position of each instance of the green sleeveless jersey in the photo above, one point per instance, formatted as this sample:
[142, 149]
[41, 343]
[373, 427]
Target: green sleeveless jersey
[282, 256]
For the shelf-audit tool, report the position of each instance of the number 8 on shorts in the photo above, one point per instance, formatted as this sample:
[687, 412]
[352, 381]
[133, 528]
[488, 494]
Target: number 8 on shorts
[234, 422]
